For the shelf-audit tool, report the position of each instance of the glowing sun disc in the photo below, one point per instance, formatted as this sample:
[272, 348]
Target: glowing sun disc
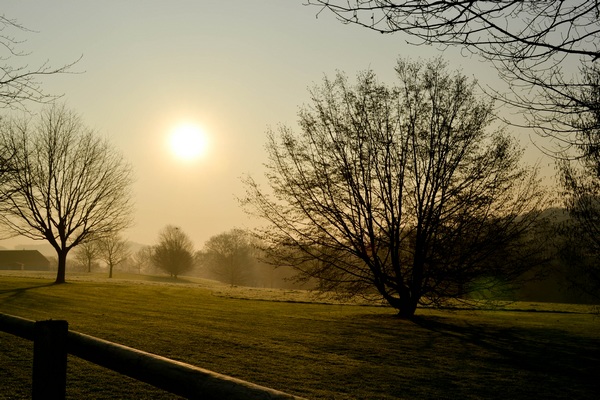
[187, 142]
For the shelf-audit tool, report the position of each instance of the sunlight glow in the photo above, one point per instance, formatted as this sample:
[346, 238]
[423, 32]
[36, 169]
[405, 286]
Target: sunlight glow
[188, 142]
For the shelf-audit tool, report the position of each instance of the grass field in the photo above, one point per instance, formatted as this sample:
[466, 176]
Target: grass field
[320, 351]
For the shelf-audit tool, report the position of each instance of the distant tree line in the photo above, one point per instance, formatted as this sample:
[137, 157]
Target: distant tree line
[231, 257]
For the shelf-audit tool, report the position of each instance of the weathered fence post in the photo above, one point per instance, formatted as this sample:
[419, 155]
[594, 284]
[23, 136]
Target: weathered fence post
[49, 360]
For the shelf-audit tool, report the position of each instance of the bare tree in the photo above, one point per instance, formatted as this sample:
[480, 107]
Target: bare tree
[142, 259]
[20, 84]
[536, 46]
[87, 253]
[174, 252]
[6, 169]
[229, 256]
[585, 125]
[499, 30]
[67, 184]
[113, 250]
[401, 191]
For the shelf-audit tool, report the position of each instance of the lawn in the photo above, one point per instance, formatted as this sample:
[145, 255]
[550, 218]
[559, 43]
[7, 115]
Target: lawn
[320, 351]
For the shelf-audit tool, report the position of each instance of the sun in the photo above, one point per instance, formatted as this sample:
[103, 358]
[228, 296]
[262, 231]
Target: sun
[188, 142]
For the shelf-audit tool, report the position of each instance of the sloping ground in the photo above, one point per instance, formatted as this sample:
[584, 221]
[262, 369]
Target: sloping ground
[291, 295]
[217, 288]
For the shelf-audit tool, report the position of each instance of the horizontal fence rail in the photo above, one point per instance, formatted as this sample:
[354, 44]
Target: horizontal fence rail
[173, 376]
[17, 326]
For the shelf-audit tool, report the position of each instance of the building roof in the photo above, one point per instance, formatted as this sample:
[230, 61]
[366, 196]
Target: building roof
[23, 259]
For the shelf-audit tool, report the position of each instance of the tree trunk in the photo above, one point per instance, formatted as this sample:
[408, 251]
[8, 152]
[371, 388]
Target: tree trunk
[405, 303]
[62, 265]
[408, 306]
[110, 268]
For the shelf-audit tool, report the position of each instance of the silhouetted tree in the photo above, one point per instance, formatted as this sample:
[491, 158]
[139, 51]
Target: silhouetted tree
[403, 191]
[86, 254]
[113, 251]
[536, 46]
[580, 179]
[499, 30]
[578, 253]
[20, 84]
[229, 256]
[6, 169]
[174, 252]
[65, 184]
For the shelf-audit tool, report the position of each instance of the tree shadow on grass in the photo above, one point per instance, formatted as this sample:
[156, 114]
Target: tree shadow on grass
[464, 356]
[562, 363]
[24, 289]
[8, 295]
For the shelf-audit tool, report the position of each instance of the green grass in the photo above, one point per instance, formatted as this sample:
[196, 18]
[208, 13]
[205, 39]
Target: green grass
[312, 350]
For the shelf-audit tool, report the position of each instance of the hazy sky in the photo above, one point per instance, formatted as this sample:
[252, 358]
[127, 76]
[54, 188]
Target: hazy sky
[235, 67]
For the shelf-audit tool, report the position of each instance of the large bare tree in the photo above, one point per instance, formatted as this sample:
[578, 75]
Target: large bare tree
[66, 183]
[174, 252]
[404, 191]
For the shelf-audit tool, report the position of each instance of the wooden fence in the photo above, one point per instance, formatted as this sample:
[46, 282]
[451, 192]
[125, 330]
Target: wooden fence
[53, 341]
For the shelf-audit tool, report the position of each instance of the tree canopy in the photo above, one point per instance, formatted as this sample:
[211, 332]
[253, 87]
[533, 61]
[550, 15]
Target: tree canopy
[499, 30]
[174, 252]
[229, 256]
[403, 191]
[542, 49]
[19, 84]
